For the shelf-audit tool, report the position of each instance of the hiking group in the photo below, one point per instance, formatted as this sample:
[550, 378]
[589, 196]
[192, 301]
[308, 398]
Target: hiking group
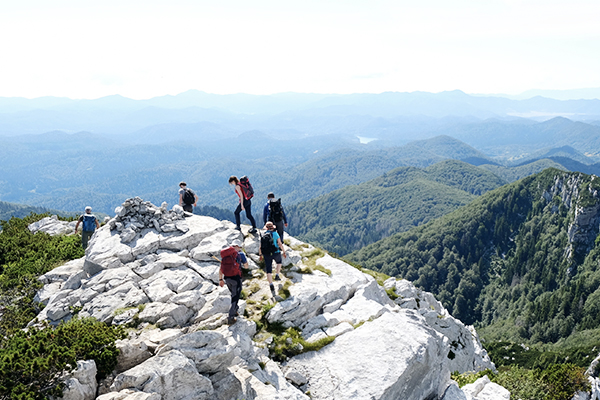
[271, 247]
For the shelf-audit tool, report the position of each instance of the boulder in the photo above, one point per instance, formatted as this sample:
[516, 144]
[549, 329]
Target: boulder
[379, 361]
[82, 384]
[172, 375]
[209, 350]
[484, 389]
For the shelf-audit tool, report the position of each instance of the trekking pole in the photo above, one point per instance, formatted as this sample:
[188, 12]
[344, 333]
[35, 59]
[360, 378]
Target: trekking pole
[211, 255]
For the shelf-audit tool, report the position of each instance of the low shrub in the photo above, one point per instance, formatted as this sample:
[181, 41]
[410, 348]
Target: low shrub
[31, 361]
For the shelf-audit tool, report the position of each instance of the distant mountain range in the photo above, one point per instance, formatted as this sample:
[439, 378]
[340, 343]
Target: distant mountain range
[286, 115]
[348, 219]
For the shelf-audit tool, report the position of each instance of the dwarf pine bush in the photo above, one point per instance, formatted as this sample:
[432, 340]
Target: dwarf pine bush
[31, 361]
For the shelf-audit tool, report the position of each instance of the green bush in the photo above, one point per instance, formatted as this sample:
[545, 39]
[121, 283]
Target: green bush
[524, 384]
[31, 361]
[23, 258]
[557, 382]
[564, 380]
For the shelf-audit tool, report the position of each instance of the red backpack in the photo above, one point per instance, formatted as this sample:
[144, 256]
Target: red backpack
[247, 188]
[229, 264]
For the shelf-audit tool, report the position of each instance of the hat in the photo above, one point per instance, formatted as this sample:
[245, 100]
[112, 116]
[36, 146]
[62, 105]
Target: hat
[269, 225]
[88, 209]
[237, 243]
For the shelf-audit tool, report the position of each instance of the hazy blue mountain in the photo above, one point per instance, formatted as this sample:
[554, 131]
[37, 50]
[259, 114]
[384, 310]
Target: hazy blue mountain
[69, 171]
[350, 167]
[563, 151]
[511, 140]
[569, 94]
[292, 111]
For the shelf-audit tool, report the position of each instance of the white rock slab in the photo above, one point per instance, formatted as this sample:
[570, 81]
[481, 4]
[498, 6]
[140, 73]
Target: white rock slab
[172, 375]
[64, 272]
[379, 361]
[200, 227]
[484, 389]
[129, 394]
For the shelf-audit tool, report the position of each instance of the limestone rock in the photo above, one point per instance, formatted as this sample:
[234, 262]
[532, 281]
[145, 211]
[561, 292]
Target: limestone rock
[172, 375]
[356, 366]
[166, 275]
[484, 389]
[129, 394]
[453, 392]
[82, 384]
[53, 226]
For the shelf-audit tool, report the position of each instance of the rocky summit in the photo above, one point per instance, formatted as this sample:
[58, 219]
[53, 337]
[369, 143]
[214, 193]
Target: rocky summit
[155, 271]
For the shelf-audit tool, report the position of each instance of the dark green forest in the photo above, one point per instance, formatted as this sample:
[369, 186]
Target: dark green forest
[357, 215]
[506, 262]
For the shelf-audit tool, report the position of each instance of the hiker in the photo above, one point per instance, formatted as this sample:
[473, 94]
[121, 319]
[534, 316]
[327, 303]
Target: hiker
[230, 273]
[245, 192]
[275, 213]
[271, 250]
[90, 223]
[187, 198]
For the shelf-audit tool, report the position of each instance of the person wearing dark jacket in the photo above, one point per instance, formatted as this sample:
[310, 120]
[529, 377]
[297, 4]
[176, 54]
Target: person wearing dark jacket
[275, 213]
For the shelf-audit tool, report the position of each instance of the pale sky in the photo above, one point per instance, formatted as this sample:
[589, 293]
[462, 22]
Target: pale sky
[146, 48]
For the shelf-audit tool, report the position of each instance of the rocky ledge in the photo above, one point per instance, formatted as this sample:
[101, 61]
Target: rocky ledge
[154, 270]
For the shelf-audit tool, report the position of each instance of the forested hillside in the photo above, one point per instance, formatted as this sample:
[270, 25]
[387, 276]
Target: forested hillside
[356, 215]
[9, 210]
[521, 260]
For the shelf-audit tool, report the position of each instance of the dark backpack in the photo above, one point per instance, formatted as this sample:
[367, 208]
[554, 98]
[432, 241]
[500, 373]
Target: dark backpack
[276, 211]
[89, 222]
[247, 189]
[229, 264]
[188, 197]
[266, 244]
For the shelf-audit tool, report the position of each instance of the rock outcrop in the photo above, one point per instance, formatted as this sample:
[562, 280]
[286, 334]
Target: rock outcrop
[155, 270]
[53, 226]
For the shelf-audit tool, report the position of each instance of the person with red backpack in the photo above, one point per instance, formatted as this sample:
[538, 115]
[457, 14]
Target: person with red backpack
[230, 274]
[245, 192]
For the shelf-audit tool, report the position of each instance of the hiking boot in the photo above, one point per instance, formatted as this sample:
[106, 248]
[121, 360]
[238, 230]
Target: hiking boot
[272, 288]
[277, 278]
[253, 230]
[231, 320]
[237, 228]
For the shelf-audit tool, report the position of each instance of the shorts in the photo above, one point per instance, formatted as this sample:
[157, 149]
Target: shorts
[269, 261]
